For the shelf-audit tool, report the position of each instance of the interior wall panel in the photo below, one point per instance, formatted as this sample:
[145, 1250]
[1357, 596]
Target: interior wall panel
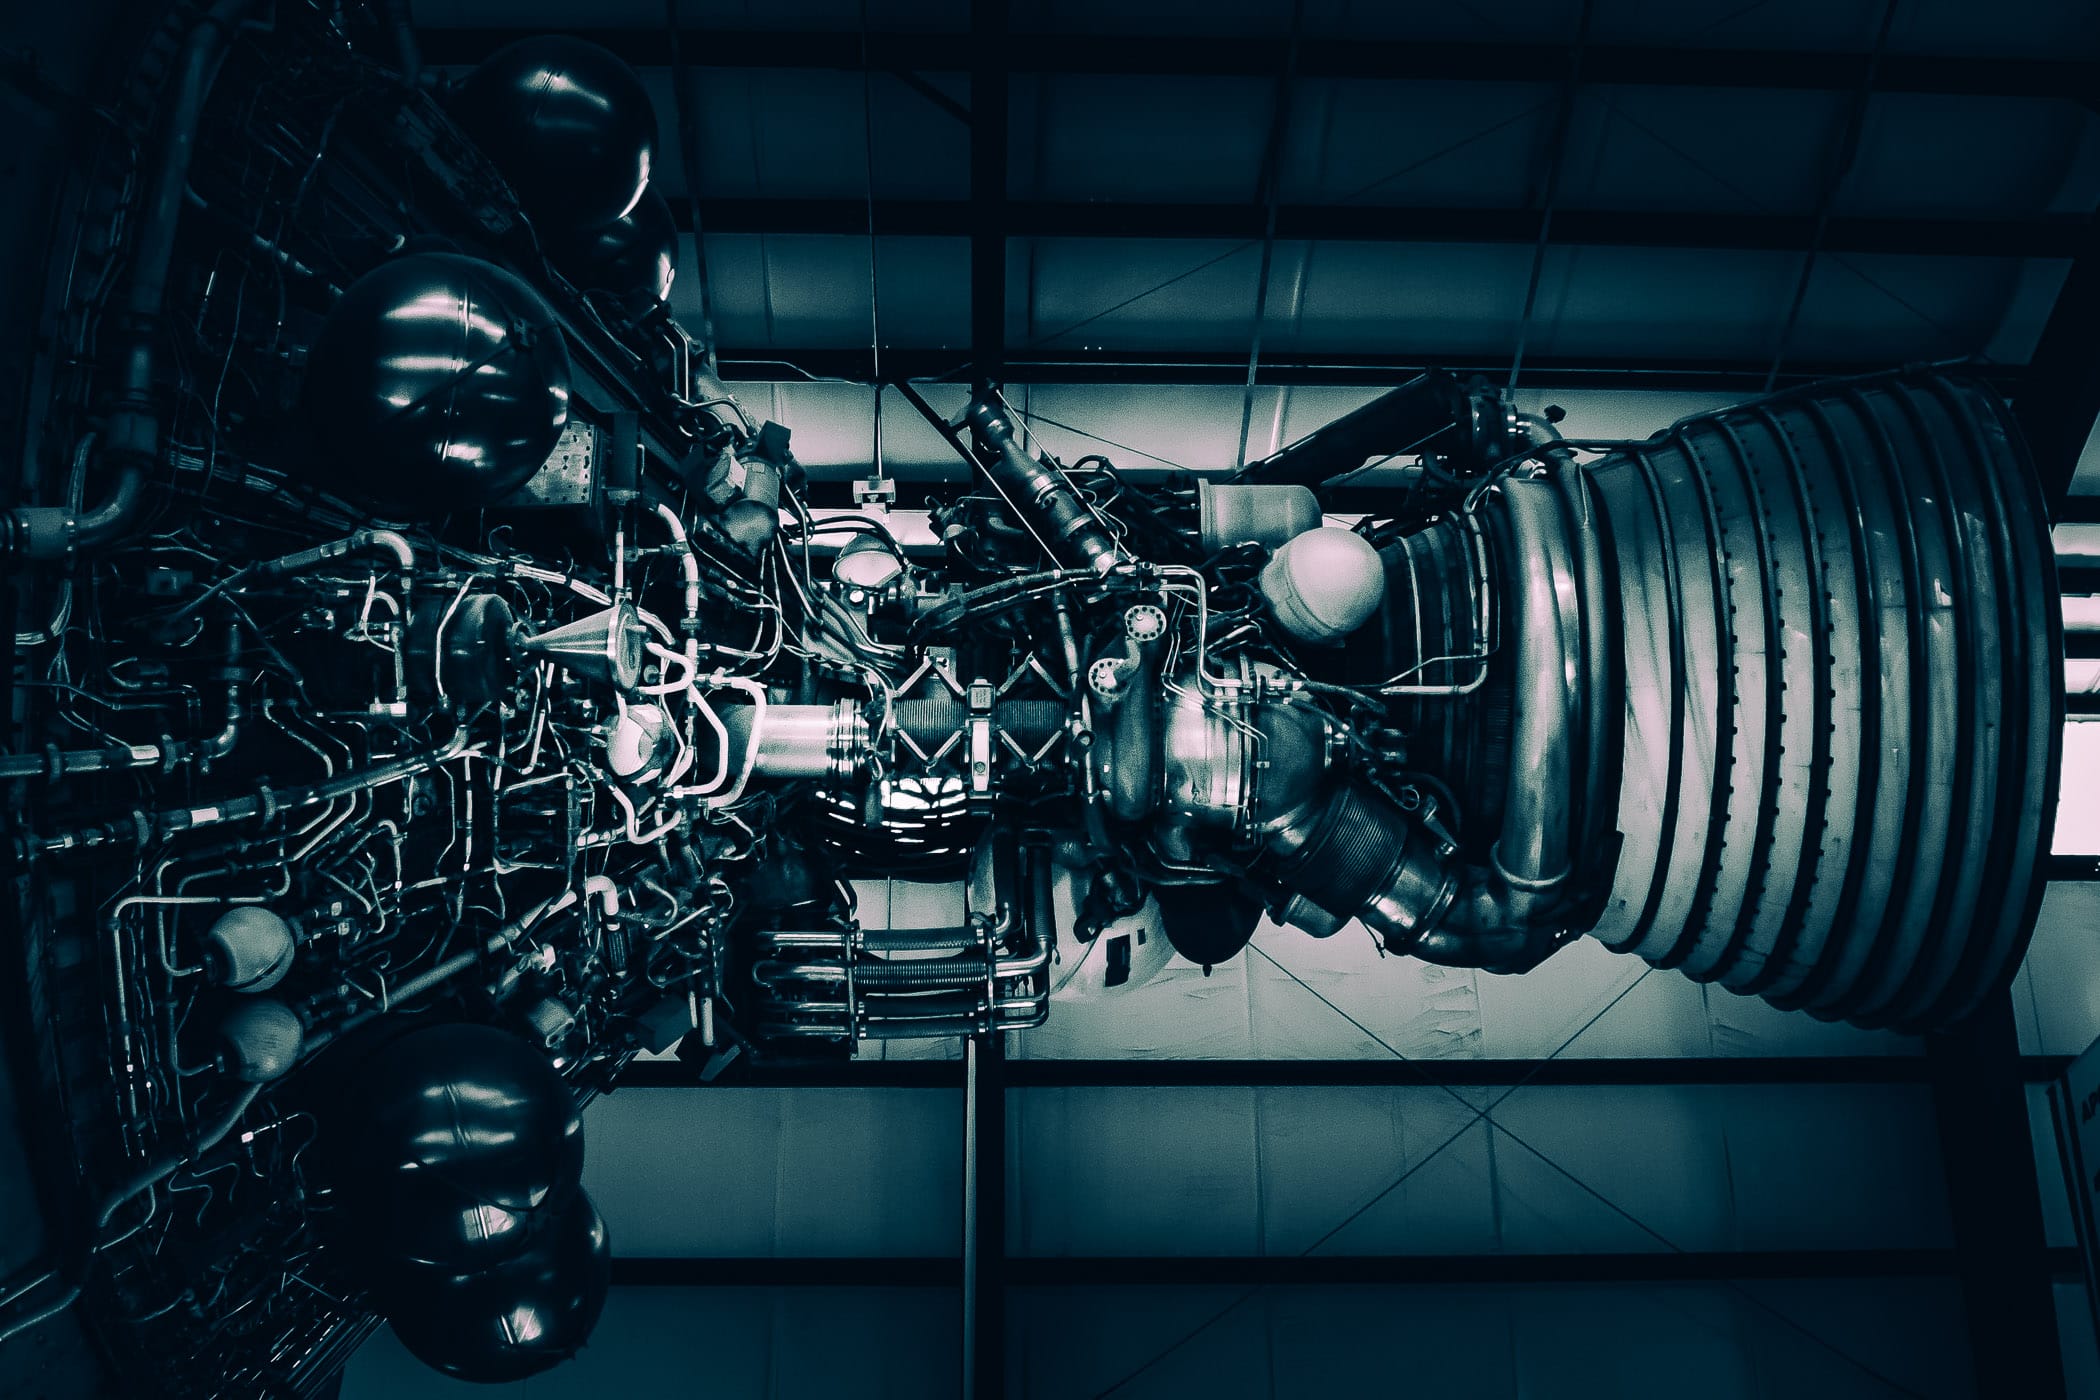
[1328, 999]
[1273, 1171]
[778, 1172]
[1770, 1340]
[2056, 996]
[655, 1343]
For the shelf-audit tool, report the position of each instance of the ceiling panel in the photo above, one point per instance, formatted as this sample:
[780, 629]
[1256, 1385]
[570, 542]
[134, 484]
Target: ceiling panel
[1742, 150]
[812, 290]
[1930, 155]
[1872, 307]
[1818, 25]
[1189, 294]
[904, 15]
[1083, 137]
[1442, 300]
[1353, 141]
[1519, 21]
[1660, 303]
[2027, 310]
[1240, 17]
[2002, 28]
[800, 134]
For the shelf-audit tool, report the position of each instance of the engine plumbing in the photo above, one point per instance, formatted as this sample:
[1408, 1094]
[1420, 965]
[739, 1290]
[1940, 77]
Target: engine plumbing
[434, 688]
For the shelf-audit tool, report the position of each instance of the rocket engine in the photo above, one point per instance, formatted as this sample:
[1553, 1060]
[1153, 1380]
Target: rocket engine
[433, 690]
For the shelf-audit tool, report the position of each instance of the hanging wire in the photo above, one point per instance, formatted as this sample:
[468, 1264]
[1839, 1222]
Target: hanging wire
[1096, 437]
[689, 159]
[1834, 182]
[867, 127]
[1271, 196]
[1549, 194]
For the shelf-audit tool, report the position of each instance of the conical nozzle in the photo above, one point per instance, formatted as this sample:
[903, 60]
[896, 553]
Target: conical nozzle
[606, 646]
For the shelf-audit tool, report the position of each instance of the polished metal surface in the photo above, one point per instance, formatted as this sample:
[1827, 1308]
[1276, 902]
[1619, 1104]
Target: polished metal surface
[1842, 694]
[435, 690]
[437, 383]
[570, 126]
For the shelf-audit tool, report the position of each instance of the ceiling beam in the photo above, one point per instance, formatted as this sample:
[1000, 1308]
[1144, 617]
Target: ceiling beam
[1643, 1266]
[1379, 1073]
[1300, 368]
[1377, 59]
[856, 1271]
[2054, 236]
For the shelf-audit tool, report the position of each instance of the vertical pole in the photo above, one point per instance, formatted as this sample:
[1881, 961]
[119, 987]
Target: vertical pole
[969, 1221]
[984, 1218]
[1987, 1149]
[988, 87]
[983, 1231]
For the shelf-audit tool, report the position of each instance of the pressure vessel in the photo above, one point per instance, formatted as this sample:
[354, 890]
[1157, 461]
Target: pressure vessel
[511, 1319]
[438, 383]
[1323, 584]
[568, 123]
[453, 1145]
[634, 257]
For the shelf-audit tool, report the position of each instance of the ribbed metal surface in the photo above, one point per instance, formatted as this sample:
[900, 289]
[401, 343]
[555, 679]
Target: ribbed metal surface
[1843, 697]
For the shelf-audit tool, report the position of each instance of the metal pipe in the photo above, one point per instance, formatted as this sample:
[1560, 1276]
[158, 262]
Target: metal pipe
[131, 434]
[1432, 411]
[1483, 628]
[1067, 528]
[408, 55]
[1532, 849]
[1133, 752]
[388, 542]
[73, 1272]
[1496, 920]
[141, 826]
[55, 763]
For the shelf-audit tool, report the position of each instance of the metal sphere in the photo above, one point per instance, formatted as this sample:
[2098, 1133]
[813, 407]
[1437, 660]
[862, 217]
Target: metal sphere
[454, 1146]
[569, 125]
[634, 257]
[513, 1319]
[438, 383]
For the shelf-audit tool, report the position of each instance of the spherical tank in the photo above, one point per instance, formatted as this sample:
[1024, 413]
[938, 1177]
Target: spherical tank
[633, 257]
[513, 1319]
[455, 1146]
[438, 383]
[568, 124]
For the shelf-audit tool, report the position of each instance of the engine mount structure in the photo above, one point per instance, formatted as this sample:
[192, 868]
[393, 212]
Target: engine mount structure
[432, 688]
